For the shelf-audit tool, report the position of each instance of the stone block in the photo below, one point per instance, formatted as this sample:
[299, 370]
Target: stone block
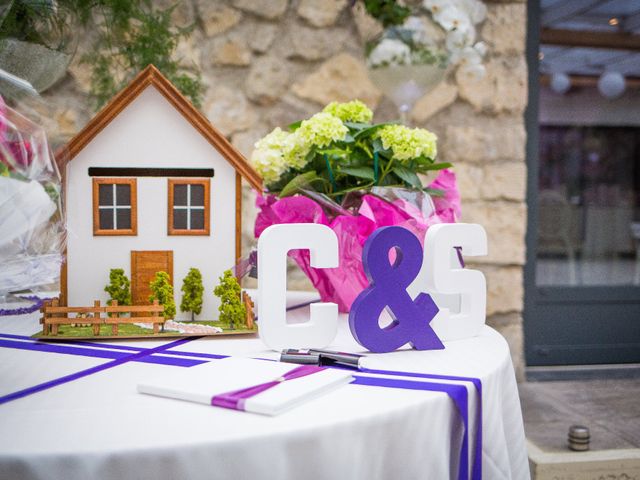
[270, 9]
[313, 44]
[505, 288]
[505, 28]
[367, 26]
[267, 80]
[244, 141]
[505, 223]
[261, 37]
[502, 89]
[488, 141]
[513, 334]
[229, 111]
[340, 78]
[469, 180]
[183, 15]
[81, 73]
[188, 53]
[230, 52]
[437, 99]
[321, 13]
[505, 181]
[217, 18]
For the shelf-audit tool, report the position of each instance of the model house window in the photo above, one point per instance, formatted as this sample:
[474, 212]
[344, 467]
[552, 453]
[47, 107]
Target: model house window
[114, 206]
[189, 207]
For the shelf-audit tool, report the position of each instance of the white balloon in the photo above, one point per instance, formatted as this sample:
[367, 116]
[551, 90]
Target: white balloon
[560, 83]
[611, 84]
[273, 245]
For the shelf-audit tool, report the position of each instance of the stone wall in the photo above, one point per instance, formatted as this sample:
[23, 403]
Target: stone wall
[268, 63]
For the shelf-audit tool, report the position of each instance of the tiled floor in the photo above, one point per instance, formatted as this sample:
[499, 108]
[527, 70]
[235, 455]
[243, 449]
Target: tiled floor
[610, 408]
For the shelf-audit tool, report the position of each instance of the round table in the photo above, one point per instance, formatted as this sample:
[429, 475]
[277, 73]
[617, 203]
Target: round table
[99, 427]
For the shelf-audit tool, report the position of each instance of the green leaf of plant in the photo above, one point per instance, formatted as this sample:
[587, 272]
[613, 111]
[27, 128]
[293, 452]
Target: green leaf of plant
[367, 132]
[301, 181]
[408, 176]
[356, 125]
[434, 192]
[434, 166]
[360, 172]
[294, 126]
[377, 145]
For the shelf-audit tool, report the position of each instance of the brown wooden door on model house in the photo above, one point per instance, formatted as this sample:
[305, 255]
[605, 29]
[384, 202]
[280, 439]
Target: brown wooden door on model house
[144, 265]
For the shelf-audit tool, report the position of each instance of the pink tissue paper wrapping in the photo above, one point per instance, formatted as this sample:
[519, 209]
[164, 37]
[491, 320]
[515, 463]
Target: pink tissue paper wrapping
[343, 284]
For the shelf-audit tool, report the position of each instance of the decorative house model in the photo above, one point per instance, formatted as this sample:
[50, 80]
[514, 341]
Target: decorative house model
[151, 186]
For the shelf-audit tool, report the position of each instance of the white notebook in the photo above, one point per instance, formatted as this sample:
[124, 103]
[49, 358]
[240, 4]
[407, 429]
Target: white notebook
[203, 382]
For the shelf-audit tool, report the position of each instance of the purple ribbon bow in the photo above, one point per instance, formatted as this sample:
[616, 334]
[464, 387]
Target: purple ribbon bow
[237, 398]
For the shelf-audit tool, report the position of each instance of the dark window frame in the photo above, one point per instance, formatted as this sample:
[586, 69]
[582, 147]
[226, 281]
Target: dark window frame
[97, 230]
[206, 184]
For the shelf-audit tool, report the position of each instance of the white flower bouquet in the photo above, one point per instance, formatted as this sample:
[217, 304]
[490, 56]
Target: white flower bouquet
[442, 33]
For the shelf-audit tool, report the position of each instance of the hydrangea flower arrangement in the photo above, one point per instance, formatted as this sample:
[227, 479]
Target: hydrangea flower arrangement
[339, 150]
[340, 170]
[442, 33]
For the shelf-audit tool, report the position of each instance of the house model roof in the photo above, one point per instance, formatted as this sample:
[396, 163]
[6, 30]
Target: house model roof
[152, 76]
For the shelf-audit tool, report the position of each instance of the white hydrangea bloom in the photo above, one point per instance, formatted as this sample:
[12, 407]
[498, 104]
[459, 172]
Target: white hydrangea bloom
[389, 52]
[459, 39]
[436, 6]
[481, 48]
[452, 17]
[476, 10]
[469, 60]
[417, 28]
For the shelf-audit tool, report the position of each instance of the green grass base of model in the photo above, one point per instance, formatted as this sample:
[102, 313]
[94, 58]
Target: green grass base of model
[128, 330]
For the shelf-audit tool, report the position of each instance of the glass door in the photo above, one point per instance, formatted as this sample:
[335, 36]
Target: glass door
[582, 277]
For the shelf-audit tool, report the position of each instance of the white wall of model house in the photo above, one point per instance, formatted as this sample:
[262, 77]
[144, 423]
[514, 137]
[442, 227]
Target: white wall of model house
[149, 132]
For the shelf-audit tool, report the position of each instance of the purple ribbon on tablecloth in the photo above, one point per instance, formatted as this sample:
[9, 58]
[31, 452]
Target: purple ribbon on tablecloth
[457, 393]
[236, 399]
[90, 371]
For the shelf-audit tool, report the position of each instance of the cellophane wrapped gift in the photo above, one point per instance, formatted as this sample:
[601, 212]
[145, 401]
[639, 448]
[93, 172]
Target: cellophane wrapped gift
[353, 220]
[32, 233]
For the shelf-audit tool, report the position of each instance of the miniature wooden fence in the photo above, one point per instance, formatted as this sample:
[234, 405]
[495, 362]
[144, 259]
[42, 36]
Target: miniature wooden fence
[53, 315]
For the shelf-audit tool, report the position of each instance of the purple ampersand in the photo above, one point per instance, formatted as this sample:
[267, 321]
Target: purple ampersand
[388, 289]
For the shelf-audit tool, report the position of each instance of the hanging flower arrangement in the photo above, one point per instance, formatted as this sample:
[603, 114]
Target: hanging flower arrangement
[440, 33]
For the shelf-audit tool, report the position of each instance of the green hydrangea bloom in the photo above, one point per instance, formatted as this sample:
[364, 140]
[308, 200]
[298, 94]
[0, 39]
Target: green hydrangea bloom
[408, 143]
[296, 149]
[268, 156]
[321, 129]
[354, 111]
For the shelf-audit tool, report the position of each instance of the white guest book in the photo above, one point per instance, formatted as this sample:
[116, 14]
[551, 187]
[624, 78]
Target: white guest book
[209, 382]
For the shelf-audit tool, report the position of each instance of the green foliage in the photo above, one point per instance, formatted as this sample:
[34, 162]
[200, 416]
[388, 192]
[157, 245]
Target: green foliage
[136, 34]
[192, 290]
[387, 12]
[232, 311]
[163, 291]
[358, 162]
[119, 287]
[131, 34]
[45, 22]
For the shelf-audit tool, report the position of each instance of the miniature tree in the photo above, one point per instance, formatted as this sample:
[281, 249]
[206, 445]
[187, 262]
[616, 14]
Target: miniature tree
[192, 290]
[163, 292]
[119, 287]
[232, 311]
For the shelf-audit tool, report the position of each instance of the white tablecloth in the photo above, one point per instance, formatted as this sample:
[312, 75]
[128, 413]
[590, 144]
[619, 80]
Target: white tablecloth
[98, 427]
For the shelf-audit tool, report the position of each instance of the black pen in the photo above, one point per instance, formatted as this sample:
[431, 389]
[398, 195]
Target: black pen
[321, 357]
